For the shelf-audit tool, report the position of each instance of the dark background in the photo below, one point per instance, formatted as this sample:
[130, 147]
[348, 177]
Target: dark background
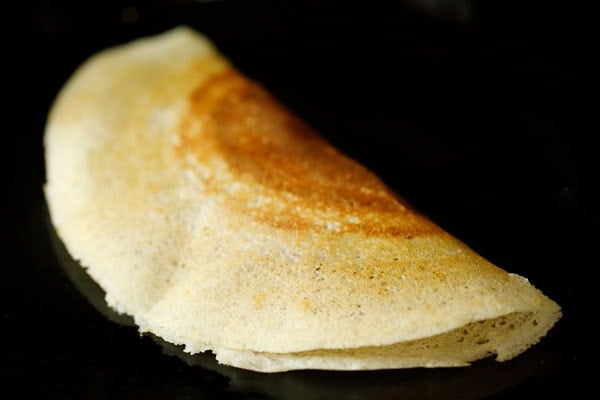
[482, 114]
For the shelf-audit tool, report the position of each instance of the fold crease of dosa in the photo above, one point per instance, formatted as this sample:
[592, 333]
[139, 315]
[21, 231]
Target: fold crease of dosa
[221, 221]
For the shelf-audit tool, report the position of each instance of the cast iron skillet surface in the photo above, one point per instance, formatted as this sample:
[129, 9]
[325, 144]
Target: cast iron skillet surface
[474, 111]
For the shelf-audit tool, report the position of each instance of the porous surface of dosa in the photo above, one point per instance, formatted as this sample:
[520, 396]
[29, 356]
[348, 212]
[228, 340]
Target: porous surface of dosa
[220, 221]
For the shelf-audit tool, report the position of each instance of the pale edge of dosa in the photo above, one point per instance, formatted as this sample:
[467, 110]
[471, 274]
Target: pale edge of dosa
[141, 219]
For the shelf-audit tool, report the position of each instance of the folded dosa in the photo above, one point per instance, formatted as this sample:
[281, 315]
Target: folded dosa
[220, 221]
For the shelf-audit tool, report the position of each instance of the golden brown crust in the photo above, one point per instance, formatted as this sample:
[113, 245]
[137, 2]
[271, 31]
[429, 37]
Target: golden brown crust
[264, 143]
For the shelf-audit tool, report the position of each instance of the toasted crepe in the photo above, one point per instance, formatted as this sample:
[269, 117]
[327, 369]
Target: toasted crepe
[220, 221]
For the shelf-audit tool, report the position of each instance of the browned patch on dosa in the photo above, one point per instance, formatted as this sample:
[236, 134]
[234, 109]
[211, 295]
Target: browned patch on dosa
[266, 145]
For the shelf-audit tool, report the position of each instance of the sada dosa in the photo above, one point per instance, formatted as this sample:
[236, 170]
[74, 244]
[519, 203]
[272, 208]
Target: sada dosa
[220, 221]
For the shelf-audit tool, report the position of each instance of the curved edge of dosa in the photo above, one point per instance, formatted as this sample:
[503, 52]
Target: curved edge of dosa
[457, 348]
